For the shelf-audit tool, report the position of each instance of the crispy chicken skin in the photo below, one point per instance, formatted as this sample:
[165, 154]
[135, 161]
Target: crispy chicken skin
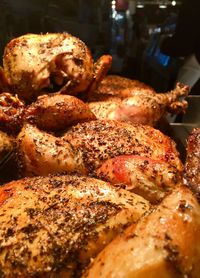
[135, 105]
[56, 112]
[34, 64]
[52, 226]
[103, 139]
[148, 177]
[165, 243]
[192, 165]
[41, 153]
[115, 85]
[85, 148]
[52, 112]
[11, 111]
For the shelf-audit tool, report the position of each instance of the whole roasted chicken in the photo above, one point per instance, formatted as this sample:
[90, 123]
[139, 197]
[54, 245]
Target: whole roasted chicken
[165, 242]
[53, 226]
[36, 64]
[123, 99]
[87, 147]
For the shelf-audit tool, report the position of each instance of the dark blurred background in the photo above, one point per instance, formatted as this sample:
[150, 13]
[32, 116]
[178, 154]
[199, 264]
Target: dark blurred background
[131, 31]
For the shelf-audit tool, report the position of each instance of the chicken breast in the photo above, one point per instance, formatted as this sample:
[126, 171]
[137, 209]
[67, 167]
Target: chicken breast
[52, 226]
[165, 243]
[86, 146]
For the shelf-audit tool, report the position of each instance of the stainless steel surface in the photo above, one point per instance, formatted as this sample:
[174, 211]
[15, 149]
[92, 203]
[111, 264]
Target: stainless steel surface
[192, 114]
[181, 131]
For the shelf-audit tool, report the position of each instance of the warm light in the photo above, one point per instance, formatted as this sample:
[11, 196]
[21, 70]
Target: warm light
[173, 3]
[140, 6]
[162, 6]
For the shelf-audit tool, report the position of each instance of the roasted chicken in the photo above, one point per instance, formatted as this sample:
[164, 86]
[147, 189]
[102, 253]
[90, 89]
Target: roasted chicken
[36, 64]
[56, 112]
[53, 112]
[192, 165]
[85, 148]
[53, 226]
[150, 178]
[165, 243]
[135, 103]
[118, 86]
[11, 110]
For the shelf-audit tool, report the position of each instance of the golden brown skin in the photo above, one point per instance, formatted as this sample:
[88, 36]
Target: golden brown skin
[36, 64]
[115, 85]
[53, 226]
[41, 153]
[138, 105]
[84, 147]
[165, 243]
[11, 110]
[150, 178]
[192, 164]
[56, 112]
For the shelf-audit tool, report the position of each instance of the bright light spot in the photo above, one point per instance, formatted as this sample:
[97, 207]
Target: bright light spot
[173, 3]
[140, 6]
[113, 2]
[114, 14]
[162, 6]
[118, 17]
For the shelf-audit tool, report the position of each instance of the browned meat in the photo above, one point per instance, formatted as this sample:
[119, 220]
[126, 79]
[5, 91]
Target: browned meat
[164, 243]
[138, 106]
[11, 109]
[56, 112]
[86, 146]
[192, 165]
[114, 85]
[53, 226]
[150, 178]
[100, 140]
[36, 64]
[53, 112]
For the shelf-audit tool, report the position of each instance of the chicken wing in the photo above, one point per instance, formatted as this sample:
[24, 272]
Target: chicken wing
[11, 111]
